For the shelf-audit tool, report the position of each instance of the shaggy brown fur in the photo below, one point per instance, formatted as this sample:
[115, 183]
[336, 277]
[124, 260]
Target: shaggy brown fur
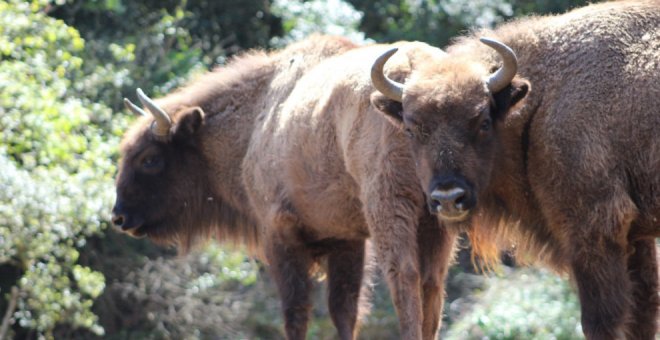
[567, 172]
[283, 152]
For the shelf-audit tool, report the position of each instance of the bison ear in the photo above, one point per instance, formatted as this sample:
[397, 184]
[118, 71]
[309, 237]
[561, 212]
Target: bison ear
[510, 96]
[392, 109]
[189, 121]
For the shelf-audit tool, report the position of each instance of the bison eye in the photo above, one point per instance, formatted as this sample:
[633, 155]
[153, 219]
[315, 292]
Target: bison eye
[409, 132]
[152, 163]
[486, 124]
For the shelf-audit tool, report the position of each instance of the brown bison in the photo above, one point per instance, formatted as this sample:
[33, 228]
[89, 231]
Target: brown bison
[568, 169]
[284, 153]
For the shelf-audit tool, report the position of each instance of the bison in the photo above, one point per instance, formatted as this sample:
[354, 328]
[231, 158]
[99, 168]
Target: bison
[283, 152]
[557, 151]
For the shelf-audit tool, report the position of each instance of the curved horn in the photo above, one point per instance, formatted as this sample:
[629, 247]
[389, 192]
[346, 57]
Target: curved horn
[162, 119]
[134, 108]
[502, 77]
[386, 86]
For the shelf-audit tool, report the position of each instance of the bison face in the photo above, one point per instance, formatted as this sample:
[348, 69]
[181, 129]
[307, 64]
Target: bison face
[161, 178]
[455, 139]
[452, 114]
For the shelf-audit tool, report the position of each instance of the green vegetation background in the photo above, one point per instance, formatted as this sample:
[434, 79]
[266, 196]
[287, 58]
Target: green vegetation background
[65, 65]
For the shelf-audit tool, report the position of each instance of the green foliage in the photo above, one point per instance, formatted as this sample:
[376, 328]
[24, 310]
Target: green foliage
[437, 21]
[524, 7]
[232, 265]
[302, 18]
[55, 169]
[201, 295]
[389, 21]
[527, 304]
[42, 225]
[479, 13]
[155, 44]
[157, 51]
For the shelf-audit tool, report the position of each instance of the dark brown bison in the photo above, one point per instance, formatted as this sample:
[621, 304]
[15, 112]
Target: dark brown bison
[284, 153]
[568, 170]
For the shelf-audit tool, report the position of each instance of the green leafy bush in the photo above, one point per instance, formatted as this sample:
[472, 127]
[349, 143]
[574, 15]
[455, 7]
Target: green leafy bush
[528, 304]
[200, 295]
[302, 18]
[55, 170]
[438, 21]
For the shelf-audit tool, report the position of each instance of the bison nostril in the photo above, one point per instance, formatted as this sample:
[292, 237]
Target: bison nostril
[450, 198]
[460, 202]
[118, 221]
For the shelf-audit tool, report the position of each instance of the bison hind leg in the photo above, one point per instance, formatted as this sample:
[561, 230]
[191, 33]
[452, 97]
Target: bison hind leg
[599, 253]
[346, 290]
[604, 291]
[289, 266]
[643, 273]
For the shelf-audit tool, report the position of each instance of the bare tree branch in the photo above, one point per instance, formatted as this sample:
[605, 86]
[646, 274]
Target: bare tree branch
[7, 320]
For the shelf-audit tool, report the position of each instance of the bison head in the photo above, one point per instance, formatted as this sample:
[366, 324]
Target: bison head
[451, 108]
[161, 183]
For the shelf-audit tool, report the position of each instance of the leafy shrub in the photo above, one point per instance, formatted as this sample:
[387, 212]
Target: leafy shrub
[201, 295]
[528, 304]
[302, 18]
[42, 227]
[55, 170]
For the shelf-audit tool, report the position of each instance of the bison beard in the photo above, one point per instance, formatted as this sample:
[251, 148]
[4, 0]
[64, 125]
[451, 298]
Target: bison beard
[569, 172]
[282, 152]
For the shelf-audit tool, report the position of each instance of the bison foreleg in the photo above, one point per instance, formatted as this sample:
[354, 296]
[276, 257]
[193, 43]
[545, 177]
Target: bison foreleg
[393, 204]
[395, 244]
[643, 271]
[289, 267]
[599, 269]
[436, 246]
[345, 271]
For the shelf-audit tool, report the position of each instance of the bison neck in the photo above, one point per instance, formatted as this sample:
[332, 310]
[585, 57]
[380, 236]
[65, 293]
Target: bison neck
[510, 213]
[231, 98]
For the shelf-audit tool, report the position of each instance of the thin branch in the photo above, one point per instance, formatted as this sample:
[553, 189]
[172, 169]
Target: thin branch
[7, 320]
